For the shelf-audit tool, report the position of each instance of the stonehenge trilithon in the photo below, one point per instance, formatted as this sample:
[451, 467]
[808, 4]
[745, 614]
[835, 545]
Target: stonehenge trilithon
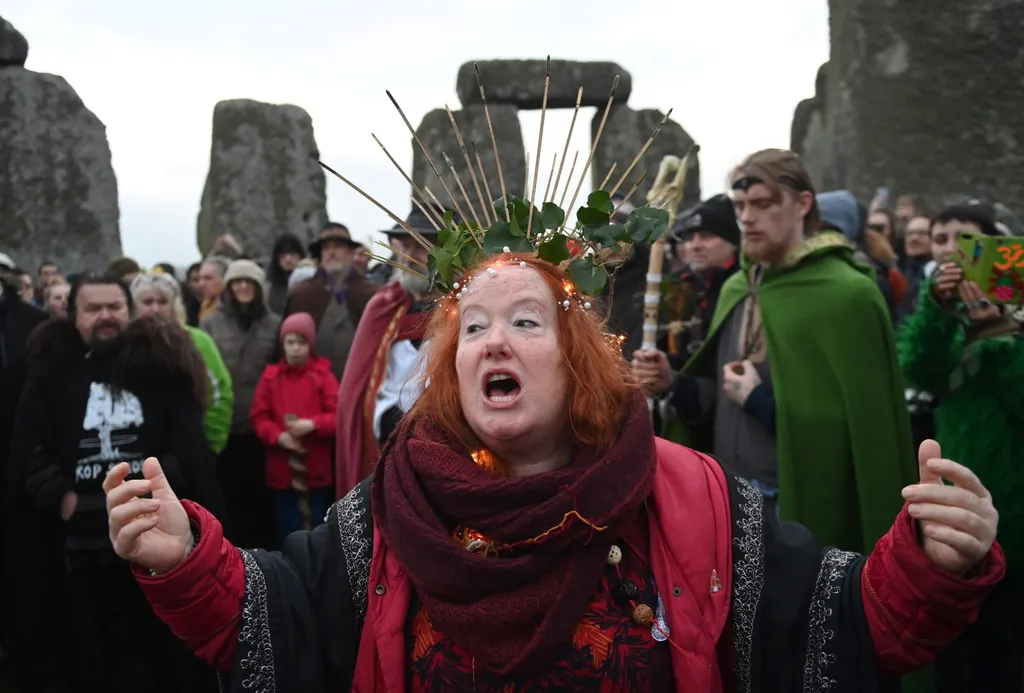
[58, 193]
[521, 83]
[514, 85]
[264, 179]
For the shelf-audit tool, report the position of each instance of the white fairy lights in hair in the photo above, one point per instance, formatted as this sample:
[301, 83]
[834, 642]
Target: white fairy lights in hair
[461, 288]
[572, 293]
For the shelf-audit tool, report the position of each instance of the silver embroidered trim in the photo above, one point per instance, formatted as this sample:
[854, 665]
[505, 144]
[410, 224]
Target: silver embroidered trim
[828, 586]
[257, 666]
[748, 579]
[358, 550]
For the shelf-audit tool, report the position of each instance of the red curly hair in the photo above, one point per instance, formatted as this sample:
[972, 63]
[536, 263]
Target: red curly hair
[599, 382]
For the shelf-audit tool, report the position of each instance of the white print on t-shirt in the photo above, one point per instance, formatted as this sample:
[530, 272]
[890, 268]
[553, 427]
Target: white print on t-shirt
[106, 413]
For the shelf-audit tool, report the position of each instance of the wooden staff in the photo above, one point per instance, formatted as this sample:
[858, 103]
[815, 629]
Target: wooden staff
[300, 475]
[666, 193]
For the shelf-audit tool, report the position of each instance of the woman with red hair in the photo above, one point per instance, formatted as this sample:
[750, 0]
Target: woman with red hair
[525, 531]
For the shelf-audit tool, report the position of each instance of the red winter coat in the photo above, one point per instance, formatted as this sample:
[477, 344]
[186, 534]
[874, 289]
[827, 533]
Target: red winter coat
[913, 609]
[310, 392]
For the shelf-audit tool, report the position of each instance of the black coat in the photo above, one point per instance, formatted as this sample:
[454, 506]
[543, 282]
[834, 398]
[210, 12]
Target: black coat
[157, 363]
[626, 294]
[308, 605]
[17, 319]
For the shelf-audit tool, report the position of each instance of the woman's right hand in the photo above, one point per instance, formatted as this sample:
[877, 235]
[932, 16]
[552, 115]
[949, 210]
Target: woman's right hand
[151, 532]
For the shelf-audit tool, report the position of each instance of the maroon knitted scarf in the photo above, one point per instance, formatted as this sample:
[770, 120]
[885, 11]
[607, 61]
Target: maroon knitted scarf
[512, 612]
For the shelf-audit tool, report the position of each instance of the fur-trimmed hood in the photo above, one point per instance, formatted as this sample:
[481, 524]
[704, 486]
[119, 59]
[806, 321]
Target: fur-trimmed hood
[152, 352]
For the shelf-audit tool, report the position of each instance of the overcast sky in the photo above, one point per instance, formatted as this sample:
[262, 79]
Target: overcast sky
[733, 70]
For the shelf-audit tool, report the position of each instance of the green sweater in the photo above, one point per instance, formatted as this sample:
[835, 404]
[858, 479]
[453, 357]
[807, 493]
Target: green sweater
[222, 398]
[980, 419]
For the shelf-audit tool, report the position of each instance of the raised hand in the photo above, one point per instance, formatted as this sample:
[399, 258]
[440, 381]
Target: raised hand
[958, 523]
[152, 532]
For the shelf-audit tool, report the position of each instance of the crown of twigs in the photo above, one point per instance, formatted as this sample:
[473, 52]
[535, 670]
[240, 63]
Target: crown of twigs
[583, 243]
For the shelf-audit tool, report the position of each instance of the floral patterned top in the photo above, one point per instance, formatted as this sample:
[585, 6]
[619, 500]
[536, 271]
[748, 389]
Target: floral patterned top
[609, 651]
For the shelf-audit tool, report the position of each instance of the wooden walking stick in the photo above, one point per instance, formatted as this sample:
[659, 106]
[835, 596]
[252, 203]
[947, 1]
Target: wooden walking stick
[666, 193]
[300, 476]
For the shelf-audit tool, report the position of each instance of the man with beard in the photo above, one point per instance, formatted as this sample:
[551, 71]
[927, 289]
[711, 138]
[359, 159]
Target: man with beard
[102, 391]
[335, 296]
[798, 374]
[711, 241]
[381, 382]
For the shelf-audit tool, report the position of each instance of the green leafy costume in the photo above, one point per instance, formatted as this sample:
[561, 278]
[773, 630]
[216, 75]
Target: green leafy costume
[980, 418]
[844, 442]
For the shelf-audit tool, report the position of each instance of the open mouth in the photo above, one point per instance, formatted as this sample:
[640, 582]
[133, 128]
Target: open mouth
[501, 386]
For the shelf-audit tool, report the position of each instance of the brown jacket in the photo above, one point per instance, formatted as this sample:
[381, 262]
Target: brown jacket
[312, 296]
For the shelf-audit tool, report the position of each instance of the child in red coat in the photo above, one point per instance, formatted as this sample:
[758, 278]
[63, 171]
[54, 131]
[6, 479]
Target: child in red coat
[294, 412]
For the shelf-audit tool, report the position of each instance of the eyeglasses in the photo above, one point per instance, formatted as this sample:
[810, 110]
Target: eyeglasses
[880, 228]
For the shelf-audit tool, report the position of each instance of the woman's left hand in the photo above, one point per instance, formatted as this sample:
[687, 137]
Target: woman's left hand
[958, 523]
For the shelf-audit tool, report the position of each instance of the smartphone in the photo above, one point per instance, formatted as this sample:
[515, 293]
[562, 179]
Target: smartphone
[883, 197]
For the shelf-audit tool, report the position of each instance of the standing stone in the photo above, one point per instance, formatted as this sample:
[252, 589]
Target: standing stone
[436, 133]
[13, 46]
[624, 134]
[58, 193]
[812, 137]
[264, 178]
[521, 83]
[927, 97]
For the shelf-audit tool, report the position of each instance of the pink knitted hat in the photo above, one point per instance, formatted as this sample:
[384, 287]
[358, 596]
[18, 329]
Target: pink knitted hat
[301, 324]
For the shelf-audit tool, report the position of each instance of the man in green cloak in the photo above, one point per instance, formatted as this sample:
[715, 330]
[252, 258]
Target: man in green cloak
[798, 378]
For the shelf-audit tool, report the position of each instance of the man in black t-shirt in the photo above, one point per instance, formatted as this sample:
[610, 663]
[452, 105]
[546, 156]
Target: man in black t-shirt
[103, 390]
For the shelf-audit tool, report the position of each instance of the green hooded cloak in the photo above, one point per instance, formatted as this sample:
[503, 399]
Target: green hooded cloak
[845, 448]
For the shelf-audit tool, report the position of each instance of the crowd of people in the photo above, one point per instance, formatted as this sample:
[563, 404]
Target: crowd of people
[812, 343]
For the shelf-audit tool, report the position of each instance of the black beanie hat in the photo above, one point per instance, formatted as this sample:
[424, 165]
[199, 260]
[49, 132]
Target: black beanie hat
[971, 210]
[714, 215]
